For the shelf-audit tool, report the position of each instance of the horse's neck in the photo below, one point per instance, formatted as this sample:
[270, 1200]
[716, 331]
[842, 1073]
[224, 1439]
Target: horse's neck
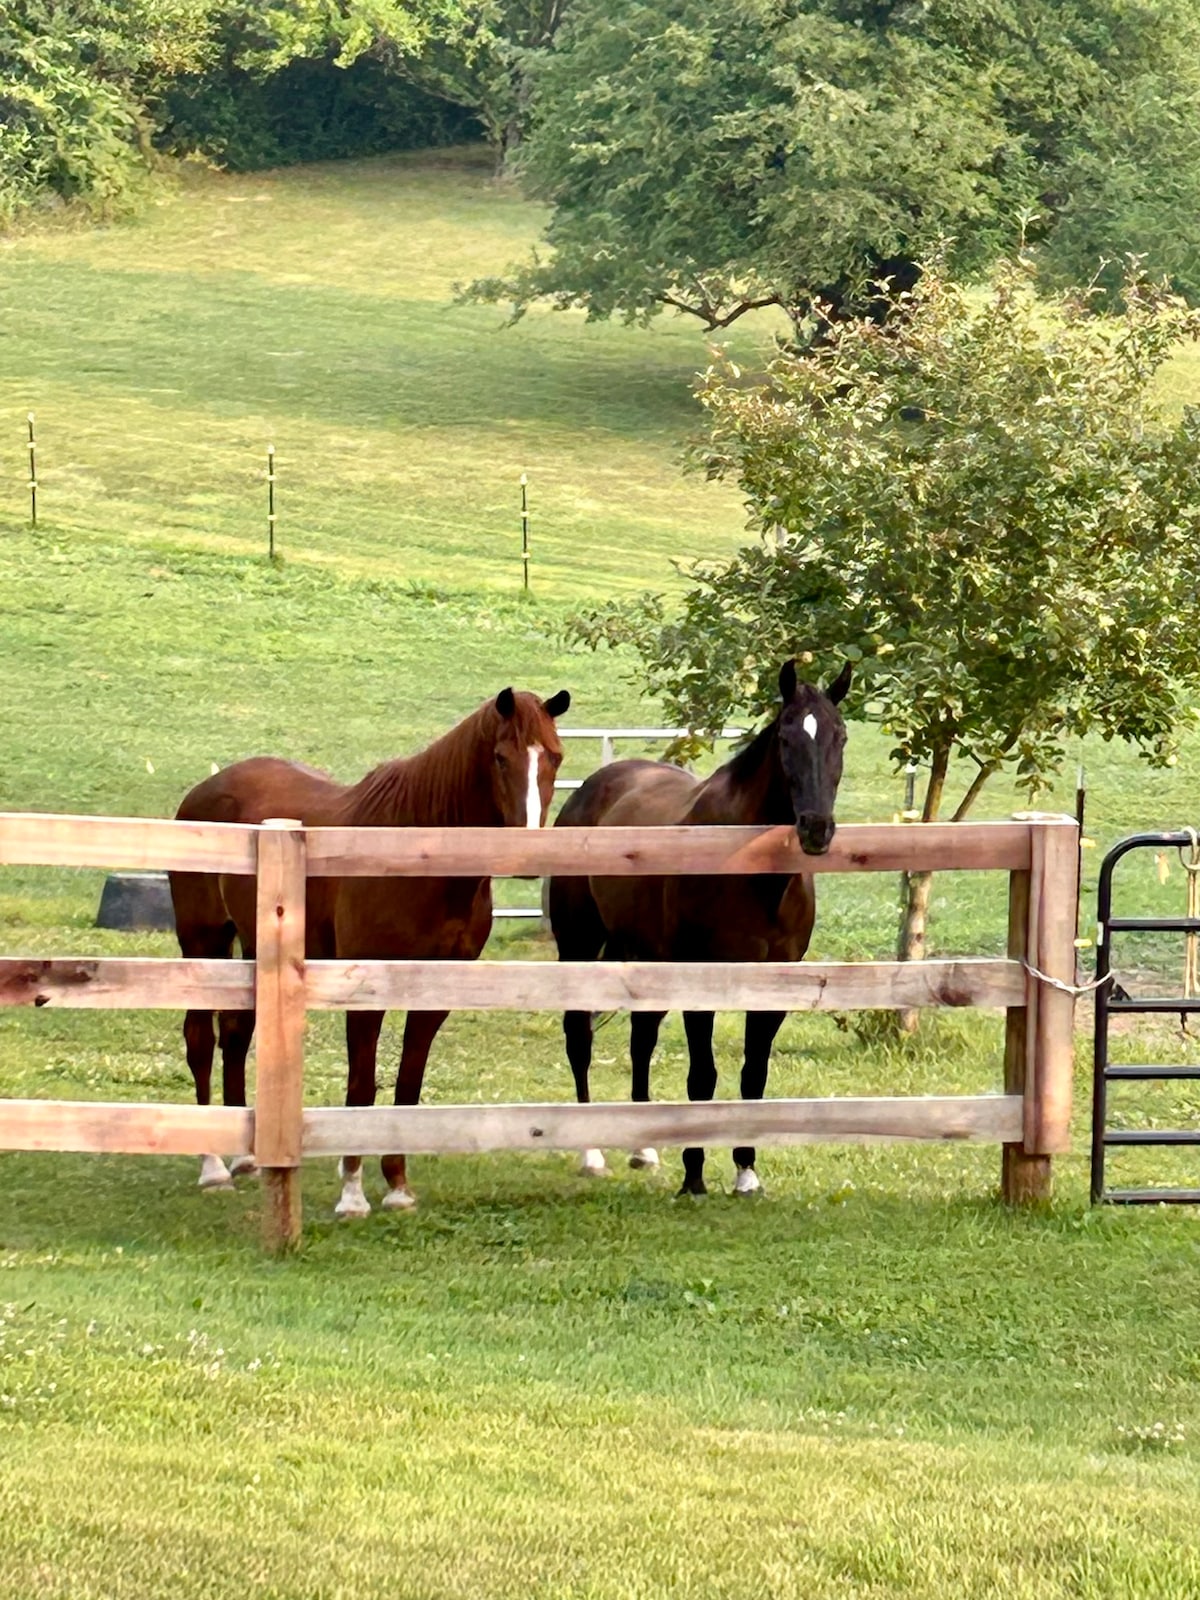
[749, 789]
[446, 785]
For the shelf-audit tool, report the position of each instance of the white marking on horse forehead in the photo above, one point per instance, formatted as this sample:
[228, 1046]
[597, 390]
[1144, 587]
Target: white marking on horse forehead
[533, 795]
[810, 725]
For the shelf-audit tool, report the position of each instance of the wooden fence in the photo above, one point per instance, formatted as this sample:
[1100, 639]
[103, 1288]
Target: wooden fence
[1030, 1117]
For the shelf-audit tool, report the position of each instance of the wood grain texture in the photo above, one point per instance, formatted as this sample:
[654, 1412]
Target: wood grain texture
[660, 985]
[279, 995]
[626, 852]
[135, 983]
[1051, 1033]
[1024, 1179]
[31, 838]
[442, 1130]
[125, 1129]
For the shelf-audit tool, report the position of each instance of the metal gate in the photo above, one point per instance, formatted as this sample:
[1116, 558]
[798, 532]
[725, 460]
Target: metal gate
[1112, 1000]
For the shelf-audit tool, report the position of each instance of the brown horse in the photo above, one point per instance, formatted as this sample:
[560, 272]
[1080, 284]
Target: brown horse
[789, 773]
[495, 769]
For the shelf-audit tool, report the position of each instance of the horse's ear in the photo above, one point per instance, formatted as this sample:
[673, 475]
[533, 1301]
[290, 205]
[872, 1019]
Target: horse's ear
[558, 703]
[787, 681]
[506, 703]
[838, 688]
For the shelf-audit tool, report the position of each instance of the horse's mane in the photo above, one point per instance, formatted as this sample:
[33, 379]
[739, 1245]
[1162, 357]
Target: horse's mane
[742, 766]
[442, 784]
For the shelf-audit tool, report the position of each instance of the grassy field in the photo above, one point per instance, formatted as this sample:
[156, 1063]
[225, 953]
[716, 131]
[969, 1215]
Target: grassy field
[870, 1382]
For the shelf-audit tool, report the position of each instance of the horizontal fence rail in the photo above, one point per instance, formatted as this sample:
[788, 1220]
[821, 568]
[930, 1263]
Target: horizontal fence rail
[125, 1128]
[1030, 1118]
[119, 1128]
[669, 851]
[470, 1130]
[30, 838]
[167, 985]
[136, 983]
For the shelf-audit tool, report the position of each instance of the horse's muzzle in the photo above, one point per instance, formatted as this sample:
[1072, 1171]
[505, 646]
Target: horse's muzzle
[815, 833]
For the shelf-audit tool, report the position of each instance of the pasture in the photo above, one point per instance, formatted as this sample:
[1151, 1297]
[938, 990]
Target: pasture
[870, 1381]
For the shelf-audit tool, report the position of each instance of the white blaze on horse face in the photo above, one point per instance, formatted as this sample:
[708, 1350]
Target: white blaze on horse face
[810, 725]
[533, 795]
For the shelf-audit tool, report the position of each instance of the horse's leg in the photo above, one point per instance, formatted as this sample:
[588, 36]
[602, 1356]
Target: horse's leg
[420, 1029]
[701, 1085]
[579, 934]
[199, 1040]
[236, 1029]
[761, 1028]
[577, 1030]
[205, 932]
[362, 1041]
[643, 1036]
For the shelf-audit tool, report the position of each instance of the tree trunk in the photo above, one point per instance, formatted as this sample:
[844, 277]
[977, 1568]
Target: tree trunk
[916, 887]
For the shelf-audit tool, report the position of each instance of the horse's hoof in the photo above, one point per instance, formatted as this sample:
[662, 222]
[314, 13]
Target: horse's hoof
[746, 1181]
[214, 1174]
[644, 1158]
[351, 1206]
[593, 1164]
[399, 1200]
[243, 1167]
[692, 1186]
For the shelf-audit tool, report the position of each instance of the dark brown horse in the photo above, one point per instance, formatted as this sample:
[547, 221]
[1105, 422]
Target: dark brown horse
[789, 773]
[495, 769]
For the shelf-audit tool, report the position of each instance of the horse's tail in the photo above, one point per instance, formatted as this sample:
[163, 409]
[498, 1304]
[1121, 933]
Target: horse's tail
[202, 921]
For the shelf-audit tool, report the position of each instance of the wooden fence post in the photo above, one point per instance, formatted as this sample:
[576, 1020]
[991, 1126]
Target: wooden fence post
[1052, 1061]
[1024, 1179]
[1041, 1066]
[280, 1007]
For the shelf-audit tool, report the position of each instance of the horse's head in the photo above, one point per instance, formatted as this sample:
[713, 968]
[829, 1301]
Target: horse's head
[812, 737]
[526, 753]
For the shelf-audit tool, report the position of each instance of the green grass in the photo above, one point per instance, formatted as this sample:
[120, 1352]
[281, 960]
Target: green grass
[871, 1382]
[311, 309]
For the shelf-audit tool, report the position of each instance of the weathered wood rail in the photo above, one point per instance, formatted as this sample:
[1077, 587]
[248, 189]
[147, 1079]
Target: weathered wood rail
[1030, 1118]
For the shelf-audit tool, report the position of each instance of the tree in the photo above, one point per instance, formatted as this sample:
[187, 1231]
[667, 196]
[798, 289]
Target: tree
[89, 87]
[983, 507]
[716, 156]
[73, 84]
[471, 53]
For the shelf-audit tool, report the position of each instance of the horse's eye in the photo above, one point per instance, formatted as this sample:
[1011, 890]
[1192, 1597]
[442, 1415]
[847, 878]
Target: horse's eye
[501, 760]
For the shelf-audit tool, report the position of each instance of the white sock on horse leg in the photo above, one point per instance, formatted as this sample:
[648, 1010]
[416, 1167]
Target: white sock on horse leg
[214, 1174]
[353, 1202]
[593, 1163]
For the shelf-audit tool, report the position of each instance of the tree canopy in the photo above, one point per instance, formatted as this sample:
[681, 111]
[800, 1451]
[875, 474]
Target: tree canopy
[718, 155]
[90, 90]
[982, 506]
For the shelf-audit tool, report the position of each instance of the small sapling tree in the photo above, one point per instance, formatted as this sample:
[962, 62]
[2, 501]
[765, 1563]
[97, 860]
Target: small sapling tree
[984, 507]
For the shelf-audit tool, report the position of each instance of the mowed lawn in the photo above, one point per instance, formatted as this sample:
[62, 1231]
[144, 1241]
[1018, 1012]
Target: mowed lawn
[871, 1381]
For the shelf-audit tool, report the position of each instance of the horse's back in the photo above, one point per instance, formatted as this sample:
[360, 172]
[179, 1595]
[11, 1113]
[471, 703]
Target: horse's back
[622, 914]
[629, 794]
[263, 786]
[207, 906]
